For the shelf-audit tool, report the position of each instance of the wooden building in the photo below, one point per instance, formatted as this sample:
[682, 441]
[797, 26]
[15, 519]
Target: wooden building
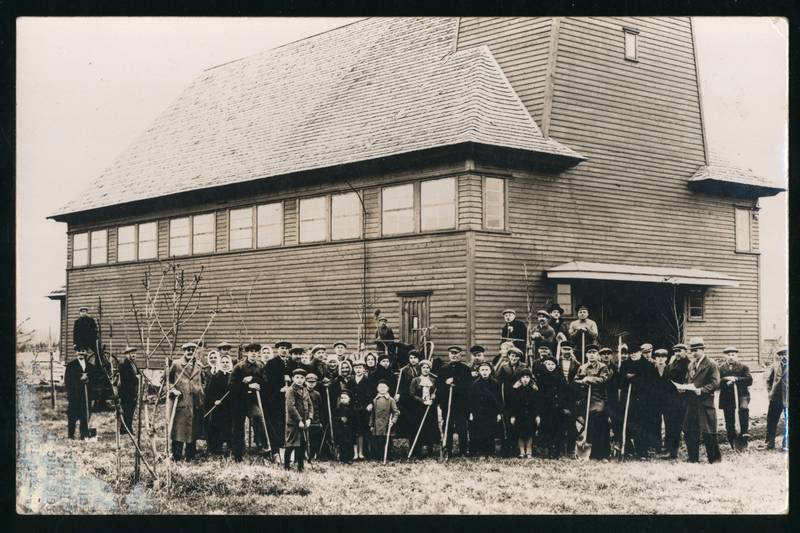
[431, 160]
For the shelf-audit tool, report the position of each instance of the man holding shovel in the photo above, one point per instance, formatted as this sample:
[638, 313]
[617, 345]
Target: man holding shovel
[734, 397]
[186, 403]
[592, 378]
[245, 386]
[76, 379]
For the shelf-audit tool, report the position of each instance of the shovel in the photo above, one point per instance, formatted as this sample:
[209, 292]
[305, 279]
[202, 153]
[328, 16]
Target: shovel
[584, 447]
[625, 425]
[91, 433]
[741, 442]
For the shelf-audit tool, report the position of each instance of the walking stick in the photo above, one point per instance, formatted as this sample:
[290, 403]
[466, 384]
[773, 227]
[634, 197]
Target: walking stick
[91, 433]
[422, 423]
[388, 436]
[625, 423]
[447, 422]
[172, 417]
[740, 443]
[263, 420]
[583, 345]
[558, 353]
[216, 405]
[584, 447]
[119, 465]
[330, 415]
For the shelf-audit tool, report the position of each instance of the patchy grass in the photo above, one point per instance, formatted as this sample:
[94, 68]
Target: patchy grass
[56, 475]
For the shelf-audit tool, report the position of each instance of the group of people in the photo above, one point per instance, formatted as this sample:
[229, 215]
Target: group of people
[308, 404]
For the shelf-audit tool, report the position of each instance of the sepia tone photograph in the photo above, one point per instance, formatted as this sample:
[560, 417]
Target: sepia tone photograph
[402, 265]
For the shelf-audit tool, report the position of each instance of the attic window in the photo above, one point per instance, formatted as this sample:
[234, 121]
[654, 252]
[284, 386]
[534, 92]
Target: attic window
[631, 44]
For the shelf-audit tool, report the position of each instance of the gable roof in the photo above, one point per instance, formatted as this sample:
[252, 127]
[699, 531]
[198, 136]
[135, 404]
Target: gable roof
[375, 88]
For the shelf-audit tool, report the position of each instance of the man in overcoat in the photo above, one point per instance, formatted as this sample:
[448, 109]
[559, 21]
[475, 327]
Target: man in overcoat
[675, 410]
[245, 381]
[186, 402]
[276, 380]
[735, 379]
[84, 331]
[778, 393]
[701, 416]
[455, 376]
[76, 379]
[637, 376]
[128, 387]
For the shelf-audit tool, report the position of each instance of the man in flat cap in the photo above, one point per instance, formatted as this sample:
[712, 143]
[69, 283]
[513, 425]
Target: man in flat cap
[478, 356]
[542, 333]
[701, 416]
[276, 379]
[735, 378]
[514, 330]
[77, 380]
[319, 355]
[128, 386]
[246, 379]
[661, 397]
[582, 331]
[455, 377]
[384, 338]
[339, 348]
[647, 351]
[636, 379]
[508, 375]
[595, 374]
[299, 413]
[778, 394]
[186, 400]
[675, 410]
[84, 330]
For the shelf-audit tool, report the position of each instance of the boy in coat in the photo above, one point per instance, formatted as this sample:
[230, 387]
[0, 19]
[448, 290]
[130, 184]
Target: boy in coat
[422, 392]
[76, 379]
[701, 417]
[359, 386]
[383, 416]
[315, 429]
[594, 373]
[555, 411]
[735, 375]
[219, 425]
[523, 411]
[485, 411]
[568, 368]
[778, 394]
[344, 425]
[299, 413]
[508, 377]
[187, 402]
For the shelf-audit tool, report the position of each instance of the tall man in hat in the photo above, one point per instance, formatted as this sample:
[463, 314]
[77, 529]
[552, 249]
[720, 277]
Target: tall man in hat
[186, 402]
[128, 387]
[277, 380]
[735, 375]
[701, 417]
[543, 334]
[452, 385]
[778, 394]
[675, 408]
[247, 379]
[76, 379]
[582, 331]
[84, 330]
[514, 330]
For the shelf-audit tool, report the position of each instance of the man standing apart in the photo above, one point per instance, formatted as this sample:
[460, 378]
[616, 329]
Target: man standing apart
[735, 375]
[76, 379]
[778, 390]
[84, 331]
[701, 417]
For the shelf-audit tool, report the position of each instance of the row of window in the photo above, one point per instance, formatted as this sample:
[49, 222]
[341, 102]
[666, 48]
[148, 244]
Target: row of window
[408, 208]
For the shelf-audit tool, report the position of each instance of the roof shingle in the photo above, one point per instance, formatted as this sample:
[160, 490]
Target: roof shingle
[375, 88]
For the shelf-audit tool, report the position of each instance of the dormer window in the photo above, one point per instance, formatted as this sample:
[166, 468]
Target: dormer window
[631, 44]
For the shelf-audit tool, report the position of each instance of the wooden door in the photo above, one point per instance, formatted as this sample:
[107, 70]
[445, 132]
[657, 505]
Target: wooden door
[414, 316]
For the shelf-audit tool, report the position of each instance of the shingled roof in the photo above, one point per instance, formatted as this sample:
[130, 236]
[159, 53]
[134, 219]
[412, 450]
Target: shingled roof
[375, 88]
[732, 181]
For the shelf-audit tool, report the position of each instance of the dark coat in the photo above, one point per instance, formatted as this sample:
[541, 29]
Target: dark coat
[360, 397]
[344, 425]
[462, 379]
[519, 332]
[507, 375]
[484, 406]
[298, 409]
[743, 382]
[84, 333]
[416, 410]
[523, 406]
[700, 412]
[76, 389]
[216, 388]
[547, 338]
[128, 387]
[316, 405]
[244, 400]
[778, 383]
[275, 376]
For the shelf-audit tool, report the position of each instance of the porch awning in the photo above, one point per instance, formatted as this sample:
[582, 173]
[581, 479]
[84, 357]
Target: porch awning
[58, 294]
[649, 274]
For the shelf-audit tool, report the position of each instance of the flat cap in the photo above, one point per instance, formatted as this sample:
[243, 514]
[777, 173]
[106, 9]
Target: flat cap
[383, 356]
[477, 349]
[383, 382]
[516, 351]
[661, 352]
[508, 311]
[454, 348]
[542, 312]
[567, 344]
[297, 350]
[592, 348]
[679, 346]
[129, 349]
[413, 353]
[345, 392]
[83, 308]
[189, 345]
[299, 372]
[283, 344]
[339, 343]
[252, 347]
[646, 347]
[311, 376]
[224, 344]
[730, 349]
[382, 319]
[606, 350]
[317, 348]
[696, 342]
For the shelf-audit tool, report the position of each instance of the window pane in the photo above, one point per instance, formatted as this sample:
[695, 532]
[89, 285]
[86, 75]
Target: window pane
[126, 243]
[564, 297]
[630, 45]
[495, 203]
[241, 228]
[743, 229]
[99, 247]
[313, 219]
[345, 216]
[80, 249]
[438, 204]
[203, 234]
[398, 209]
[179, 236]
[270, 224]
[148, 241]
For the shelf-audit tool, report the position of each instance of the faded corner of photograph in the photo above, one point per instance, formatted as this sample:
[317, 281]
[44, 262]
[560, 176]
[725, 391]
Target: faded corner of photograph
[456, 266]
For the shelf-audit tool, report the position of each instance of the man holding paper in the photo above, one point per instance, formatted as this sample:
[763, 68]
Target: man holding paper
[701, 417]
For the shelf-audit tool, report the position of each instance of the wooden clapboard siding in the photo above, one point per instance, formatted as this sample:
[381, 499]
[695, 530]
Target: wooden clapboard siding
[520, 46]
[470, 201]
[639, 125]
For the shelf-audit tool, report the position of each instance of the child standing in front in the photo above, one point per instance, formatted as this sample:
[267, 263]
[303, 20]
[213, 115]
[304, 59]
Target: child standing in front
[344, 425]
[384, 413]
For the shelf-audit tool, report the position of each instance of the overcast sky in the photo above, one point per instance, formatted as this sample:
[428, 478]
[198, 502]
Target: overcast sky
[87, 87]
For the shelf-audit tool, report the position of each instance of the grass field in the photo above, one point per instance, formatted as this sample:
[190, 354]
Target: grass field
[56, 475]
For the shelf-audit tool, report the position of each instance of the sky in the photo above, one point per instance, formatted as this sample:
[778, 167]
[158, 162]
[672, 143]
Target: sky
[87, 87]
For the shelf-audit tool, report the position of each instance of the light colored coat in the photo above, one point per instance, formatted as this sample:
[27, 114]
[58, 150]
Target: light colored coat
[188, 424]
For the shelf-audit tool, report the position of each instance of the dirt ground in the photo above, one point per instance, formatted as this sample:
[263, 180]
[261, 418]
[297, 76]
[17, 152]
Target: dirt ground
[56, 475]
